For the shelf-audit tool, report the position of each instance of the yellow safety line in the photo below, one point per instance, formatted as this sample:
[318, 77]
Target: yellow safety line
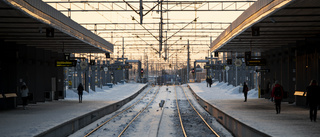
[115, 116]
[184, 132]
[139, 113]
[200, 115]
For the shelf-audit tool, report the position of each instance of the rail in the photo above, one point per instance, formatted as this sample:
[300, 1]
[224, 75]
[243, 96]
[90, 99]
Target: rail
[184, 132]
[94, 130]
[139, 113]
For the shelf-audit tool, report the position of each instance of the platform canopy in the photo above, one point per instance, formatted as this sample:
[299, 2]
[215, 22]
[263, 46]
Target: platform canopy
[270, 24]
[35, 23]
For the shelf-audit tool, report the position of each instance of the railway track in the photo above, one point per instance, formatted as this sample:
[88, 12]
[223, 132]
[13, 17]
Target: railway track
[121, 114]
[144, 117]
[190, 117]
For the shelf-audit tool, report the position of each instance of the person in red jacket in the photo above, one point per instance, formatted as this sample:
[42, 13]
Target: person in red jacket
[277, 94]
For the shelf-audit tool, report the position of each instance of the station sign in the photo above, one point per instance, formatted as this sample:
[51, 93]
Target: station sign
[208, 66]
[127, 66]
[119, 68]
[83, 65]
[256, 62]
[105, 69]
[238, 62]
[227, 68]
[263, 70]
[66, 63]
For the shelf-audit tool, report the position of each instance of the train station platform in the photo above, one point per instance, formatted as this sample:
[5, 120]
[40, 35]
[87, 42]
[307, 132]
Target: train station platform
[62, 117]
[257, 117]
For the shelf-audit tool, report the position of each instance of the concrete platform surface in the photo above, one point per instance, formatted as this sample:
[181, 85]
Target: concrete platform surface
[260, 114]
[43, 116]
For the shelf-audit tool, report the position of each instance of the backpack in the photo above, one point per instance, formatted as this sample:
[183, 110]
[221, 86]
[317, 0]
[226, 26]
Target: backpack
[277, 91]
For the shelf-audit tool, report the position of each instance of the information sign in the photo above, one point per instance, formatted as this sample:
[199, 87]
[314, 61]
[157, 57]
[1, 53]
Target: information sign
[207, 66]
[256, 62]
[128, 66]
[238, 62]
[66, 63]
[263, 70]
[105, 69]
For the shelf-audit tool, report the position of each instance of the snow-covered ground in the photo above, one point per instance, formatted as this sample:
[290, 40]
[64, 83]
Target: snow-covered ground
[217, 91]
[119, 91]
[221, 91]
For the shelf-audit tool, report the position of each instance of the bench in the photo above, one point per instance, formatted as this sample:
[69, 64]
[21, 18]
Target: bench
[8, 100]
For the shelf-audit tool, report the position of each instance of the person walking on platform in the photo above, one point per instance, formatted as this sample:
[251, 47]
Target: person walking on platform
[313, 97]
[80, 92]
[24, 95]
[277, 94]
[209, 81]
[245, 91]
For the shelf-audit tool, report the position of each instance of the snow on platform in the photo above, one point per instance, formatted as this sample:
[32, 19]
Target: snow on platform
[259, 114]
[43, 116]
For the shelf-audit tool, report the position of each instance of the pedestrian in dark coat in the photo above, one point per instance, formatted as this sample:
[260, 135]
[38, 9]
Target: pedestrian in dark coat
[80, 92]
[207, 80]
[277, 94]
[210, 81]
[24, 95]
[245, 91]
[313, 97]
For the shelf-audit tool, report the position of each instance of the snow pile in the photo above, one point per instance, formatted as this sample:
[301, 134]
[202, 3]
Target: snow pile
[221, 90]
[105, 93]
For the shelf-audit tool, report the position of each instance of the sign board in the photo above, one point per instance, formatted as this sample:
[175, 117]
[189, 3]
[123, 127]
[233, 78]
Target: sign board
[208, 66]
[83, 65]
[66, 63]
[119, 68]
[256, 62]
[227, 68]
[263, 70]
[238, 62]
[105, 69]
[127, 66]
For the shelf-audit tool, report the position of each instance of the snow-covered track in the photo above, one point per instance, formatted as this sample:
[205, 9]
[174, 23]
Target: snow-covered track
[139, 113]
[104, 123]
[183, 112]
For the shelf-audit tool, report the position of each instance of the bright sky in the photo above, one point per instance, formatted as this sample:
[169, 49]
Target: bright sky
[143, 43]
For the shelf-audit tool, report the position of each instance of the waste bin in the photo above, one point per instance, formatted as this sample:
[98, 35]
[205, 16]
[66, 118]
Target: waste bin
[55, 95]
[48, 95]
